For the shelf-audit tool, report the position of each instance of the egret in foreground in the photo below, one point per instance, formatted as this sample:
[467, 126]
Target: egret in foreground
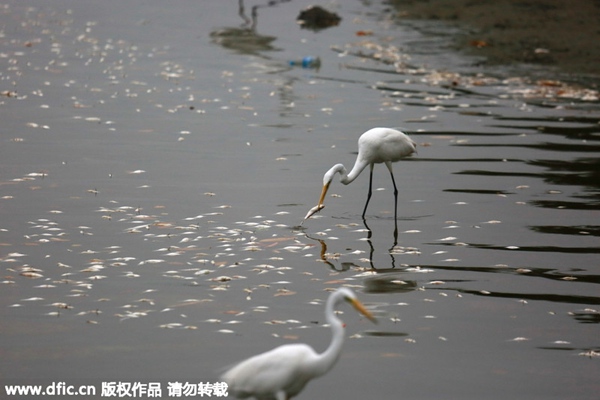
[375, 146]
[282, 373]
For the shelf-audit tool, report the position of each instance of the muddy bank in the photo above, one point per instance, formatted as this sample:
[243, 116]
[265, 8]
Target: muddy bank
[562, 36]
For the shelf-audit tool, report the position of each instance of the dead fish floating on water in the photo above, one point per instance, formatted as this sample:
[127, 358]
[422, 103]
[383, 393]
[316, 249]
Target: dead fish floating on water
[33, 275]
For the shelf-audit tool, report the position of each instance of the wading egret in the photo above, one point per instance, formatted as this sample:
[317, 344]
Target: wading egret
[375, 146]
[284, 371]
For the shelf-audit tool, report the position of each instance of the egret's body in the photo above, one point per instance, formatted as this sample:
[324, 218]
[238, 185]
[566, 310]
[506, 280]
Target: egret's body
[283, 372]
[375, 146]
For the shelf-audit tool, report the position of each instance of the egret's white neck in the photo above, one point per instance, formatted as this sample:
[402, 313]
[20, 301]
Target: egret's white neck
[345, 177]
[330, 356]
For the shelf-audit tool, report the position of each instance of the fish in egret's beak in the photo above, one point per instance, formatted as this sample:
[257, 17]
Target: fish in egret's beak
[313, 211]
[320, 205]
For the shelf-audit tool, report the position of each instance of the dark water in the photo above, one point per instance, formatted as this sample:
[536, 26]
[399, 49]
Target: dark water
[156, 161]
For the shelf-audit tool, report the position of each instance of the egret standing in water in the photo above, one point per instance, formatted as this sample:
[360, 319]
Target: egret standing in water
[282, 373]
[375, 146]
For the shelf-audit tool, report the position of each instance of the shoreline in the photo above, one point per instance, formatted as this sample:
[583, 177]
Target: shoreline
[562, 36]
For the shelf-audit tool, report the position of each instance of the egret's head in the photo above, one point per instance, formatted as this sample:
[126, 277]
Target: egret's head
[327, 178]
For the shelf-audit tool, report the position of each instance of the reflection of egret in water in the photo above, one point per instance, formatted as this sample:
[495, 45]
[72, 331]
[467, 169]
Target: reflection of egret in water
[244, 39]
[372, 248]
[388, 283]
[327, 258]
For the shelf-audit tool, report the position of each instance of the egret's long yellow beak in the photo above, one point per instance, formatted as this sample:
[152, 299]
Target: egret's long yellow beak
[323, 194]
[320, 205]
[361, 309]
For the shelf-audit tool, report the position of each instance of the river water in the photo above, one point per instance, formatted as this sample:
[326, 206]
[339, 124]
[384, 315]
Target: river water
[157, 159]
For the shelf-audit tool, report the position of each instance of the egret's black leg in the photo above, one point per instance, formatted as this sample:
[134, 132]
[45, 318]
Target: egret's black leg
[370, 191]
[395, 202]
[395, 196]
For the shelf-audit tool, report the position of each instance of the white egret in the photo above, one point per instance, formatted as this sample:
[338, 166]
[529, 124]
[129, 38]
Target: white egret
[282, 373]
[375, 146]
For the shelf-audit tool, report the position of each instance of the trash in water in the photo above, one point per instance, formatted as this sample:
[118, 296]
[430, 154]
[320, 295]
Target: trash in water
[316, 18]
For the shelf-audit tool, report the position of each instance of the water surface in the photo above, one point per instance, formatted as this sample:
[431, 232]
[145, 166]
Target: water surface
[154, 173]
